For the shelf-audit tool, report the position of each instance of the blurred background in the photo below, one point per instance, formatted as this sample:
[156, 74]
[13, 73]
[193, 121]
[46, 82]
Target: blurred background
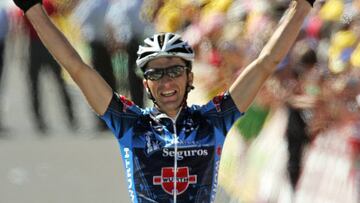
[299, 141]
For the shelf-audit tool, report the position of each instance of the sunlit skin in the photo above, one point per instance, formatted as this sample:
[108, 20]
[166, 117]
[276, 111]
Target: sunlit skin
[168, 92]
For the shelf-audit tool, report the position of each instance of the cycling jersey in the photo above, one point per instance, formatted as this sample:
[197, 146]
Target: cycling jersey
[157, 150]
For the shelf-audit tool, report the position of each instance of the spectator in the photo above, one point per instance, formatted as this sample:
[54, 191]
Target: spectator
[4, 27]
[90, 14]
[40, 59]
[127, 30]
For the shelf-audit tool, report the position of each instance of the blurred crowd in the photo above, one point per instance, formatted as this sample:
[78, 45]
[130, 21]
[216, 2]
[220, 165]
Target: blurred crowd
[318, 83]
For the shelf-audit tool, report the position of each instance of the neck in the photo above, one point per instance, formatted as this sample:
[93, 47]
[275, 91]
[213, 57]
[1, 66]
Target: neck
[173, 114]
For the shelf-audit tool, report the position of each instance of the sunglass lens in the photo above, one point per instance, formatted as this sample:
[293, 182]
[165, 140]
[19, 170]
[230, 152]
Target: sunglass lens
[175, 71]
[157, 74]
[154, 74]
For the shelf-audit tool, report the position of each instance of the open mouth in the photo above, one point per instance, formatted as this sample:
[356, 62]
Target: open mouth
[168, 93]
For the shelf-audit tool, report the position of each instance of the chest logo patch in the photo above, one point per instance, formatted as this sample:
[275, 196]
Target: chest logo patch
[151, 145]
[183, 180]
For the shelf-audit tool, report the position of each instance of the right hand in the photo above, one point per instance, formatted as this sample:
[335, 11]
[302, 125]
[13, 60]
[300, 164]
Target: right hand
[25, 5]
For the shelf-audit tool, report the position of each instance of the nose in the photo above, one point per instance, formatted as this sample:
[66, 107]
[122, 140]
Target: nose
[166, 80]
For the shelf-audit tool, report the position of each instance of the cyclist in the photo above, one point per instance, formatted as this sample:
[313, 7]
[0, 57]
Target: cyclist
[171, 152]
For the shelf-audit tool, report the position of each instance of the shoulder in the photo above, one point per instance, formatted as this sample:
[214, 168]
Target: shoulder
[220, 103]
[120, 104]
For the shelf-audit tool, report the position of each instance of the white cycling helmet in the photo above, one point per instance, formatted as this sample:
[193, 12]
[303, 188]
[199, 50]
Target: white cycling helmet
[163, 44]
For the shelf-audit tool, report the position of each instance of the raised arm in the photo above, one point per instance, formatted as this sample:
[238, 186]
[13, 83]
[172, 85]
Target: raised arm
[93, 86]
[249, 82]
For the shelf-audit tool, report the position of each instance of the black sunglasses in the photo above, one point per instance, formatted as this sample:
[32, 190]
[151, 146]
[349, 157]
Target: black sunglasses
[155, 74]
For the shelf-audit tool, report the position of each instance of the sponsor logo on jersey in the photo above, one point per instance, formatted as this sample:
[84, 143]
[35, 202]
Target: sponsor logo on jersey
[126, 103]
[185, 153]
[218, 150]
[127, 157]
[151, 145]
[217, 102]
[183, 180]
[215, 181]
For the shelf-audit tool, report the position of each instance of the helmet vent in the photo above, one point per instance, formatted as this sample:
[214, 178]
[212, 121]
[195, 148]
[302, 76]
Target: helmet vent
[147, 54]
[161, 40]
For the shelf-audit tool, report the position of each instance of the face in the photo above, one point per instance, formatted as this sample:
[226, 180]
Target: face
[168, 91]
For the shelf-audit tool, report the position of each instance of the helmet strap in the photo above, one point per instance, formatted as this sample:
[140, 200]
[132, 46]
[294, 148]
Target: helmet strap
[188, 88]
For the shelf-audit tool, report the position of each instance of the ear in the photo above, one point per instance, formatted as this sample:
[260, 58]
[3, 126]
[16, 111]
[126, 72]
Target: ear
[146, 87]
[145, 83]
[190, 78]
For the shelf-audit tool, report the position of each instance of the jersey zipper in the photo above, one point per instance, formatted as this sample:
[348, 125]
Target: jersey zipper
[176, 154]
[175, 161]
[173, 120]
